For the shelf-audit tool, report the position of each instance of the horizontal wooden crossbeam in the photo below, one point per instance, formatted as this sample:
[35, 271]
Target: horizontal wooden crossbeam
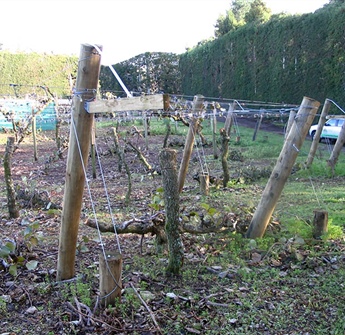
[144, 102]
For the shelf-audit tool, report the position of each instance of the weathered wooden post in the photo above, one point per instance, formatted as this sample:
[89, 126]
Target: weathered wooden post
[214, 132]
[316, 139]
[257, 126]
[205, 183]
[320, 223]
[167, 160]
[188, 148]
[79, 148]
[290, 122]
[283, 167]
[34, 134]
[93, 149]
[337, 149]
[110, 277]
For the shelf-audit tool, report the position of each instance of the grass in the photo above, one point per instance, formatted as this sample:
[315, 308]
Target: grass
[283, 283]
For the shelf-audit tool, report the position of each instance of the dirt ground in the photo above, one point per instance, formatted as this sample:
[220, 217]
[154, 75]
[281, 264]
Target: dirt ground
[32, 302]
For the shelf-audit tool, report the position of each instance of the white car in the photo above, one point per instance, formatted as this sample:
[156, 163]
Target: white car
[330, 130]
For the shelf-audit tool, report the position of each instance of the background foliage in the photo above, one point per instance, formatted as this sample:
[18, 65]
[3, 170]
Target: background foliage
[30, 71]
[280, 60]
[150, 72]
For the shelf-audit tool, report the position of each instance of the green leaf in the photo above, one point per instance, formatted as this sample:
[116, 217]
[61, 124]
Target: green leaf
[4, 251]
[31, 265]
[27, 231]
[35, 225]
[13, 270]
[212, 211]
[11, 246]
[33, 241]
[205, 206]
[160, 190]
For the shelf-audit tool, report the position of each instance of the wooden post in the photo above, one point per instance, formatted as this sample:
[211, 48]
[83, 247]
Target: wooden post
[204, 183]
[167, 160]
[188, 148]
[146, 132]
[283, 167]
[110, 277]
[93, 151]
[316, 139]
[34, 135]
[214, 132]
[257, 127]
[337, 149]
[290, 122]
[79, 149]
[320, 223]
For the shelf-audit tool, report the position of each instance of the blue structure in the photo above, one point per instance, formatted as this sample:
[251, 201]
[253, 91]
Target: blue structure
[22, 109]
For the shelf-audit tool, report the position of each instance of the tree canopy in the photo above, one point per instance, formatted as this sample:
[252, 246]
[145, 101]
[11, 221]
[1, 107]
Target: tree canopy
[242, 12]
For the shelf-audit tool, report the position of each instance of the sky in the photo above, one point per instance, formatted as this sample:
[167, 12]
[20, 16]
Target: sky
[124, 28]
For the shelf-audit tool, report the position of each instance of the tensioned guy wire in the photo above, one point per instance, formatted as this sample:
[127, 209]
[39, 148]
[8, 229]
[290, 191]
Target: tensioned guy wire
[107, 196]
[93, 209]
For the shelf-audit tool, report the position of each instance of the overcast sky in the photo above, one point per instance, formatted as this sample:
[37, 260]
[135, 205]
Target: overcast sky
[125, 28]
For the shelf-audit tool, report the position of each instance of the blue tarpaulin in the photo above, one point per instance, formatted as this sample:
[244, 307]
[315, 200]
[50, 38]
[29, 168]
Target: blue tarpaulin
[21, 110]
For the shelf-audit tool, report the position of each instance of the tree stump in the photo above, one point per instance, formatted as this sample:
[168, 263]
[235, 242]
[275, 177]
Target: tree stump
[320, 223]
[110, 272]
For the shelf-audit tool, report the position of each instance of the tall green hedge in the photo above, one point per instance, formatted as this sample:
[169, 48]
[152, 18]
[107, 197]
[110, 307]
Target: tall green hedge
[29, 71]
[280, 61]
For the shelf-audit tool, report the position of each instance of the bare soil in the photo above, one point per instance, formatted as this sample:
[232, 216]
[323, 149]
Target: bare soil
[206, 299]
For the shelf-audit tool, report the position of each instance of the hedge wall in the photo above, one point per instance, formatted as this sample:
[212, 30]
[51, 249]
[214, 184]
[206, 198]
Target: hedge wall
[280, 61]
[31, 70]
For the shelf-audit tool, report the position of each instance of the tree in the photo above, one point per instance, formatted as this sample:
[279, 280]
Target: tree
[240, 8]
[258, 12]
[225, 24]
[234, 17]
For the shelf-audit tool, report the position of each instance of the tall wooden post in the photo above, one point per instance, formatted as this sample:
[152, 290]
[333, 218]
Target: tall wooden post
[316, 139]
[257, 126]
[79, 148]
[290, 122]
[188, 148]
[34, 134]
[283, 167]
[214, 132]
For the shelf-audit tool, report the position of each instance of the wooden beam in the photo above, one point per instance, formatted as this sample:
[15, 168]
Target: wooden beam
[144, 102]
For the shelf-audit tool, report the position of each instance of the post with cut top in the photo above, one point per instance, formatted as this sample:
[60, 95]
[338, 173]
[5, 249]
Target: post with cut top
[110, 278]
[283, 167]
[79, 148]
